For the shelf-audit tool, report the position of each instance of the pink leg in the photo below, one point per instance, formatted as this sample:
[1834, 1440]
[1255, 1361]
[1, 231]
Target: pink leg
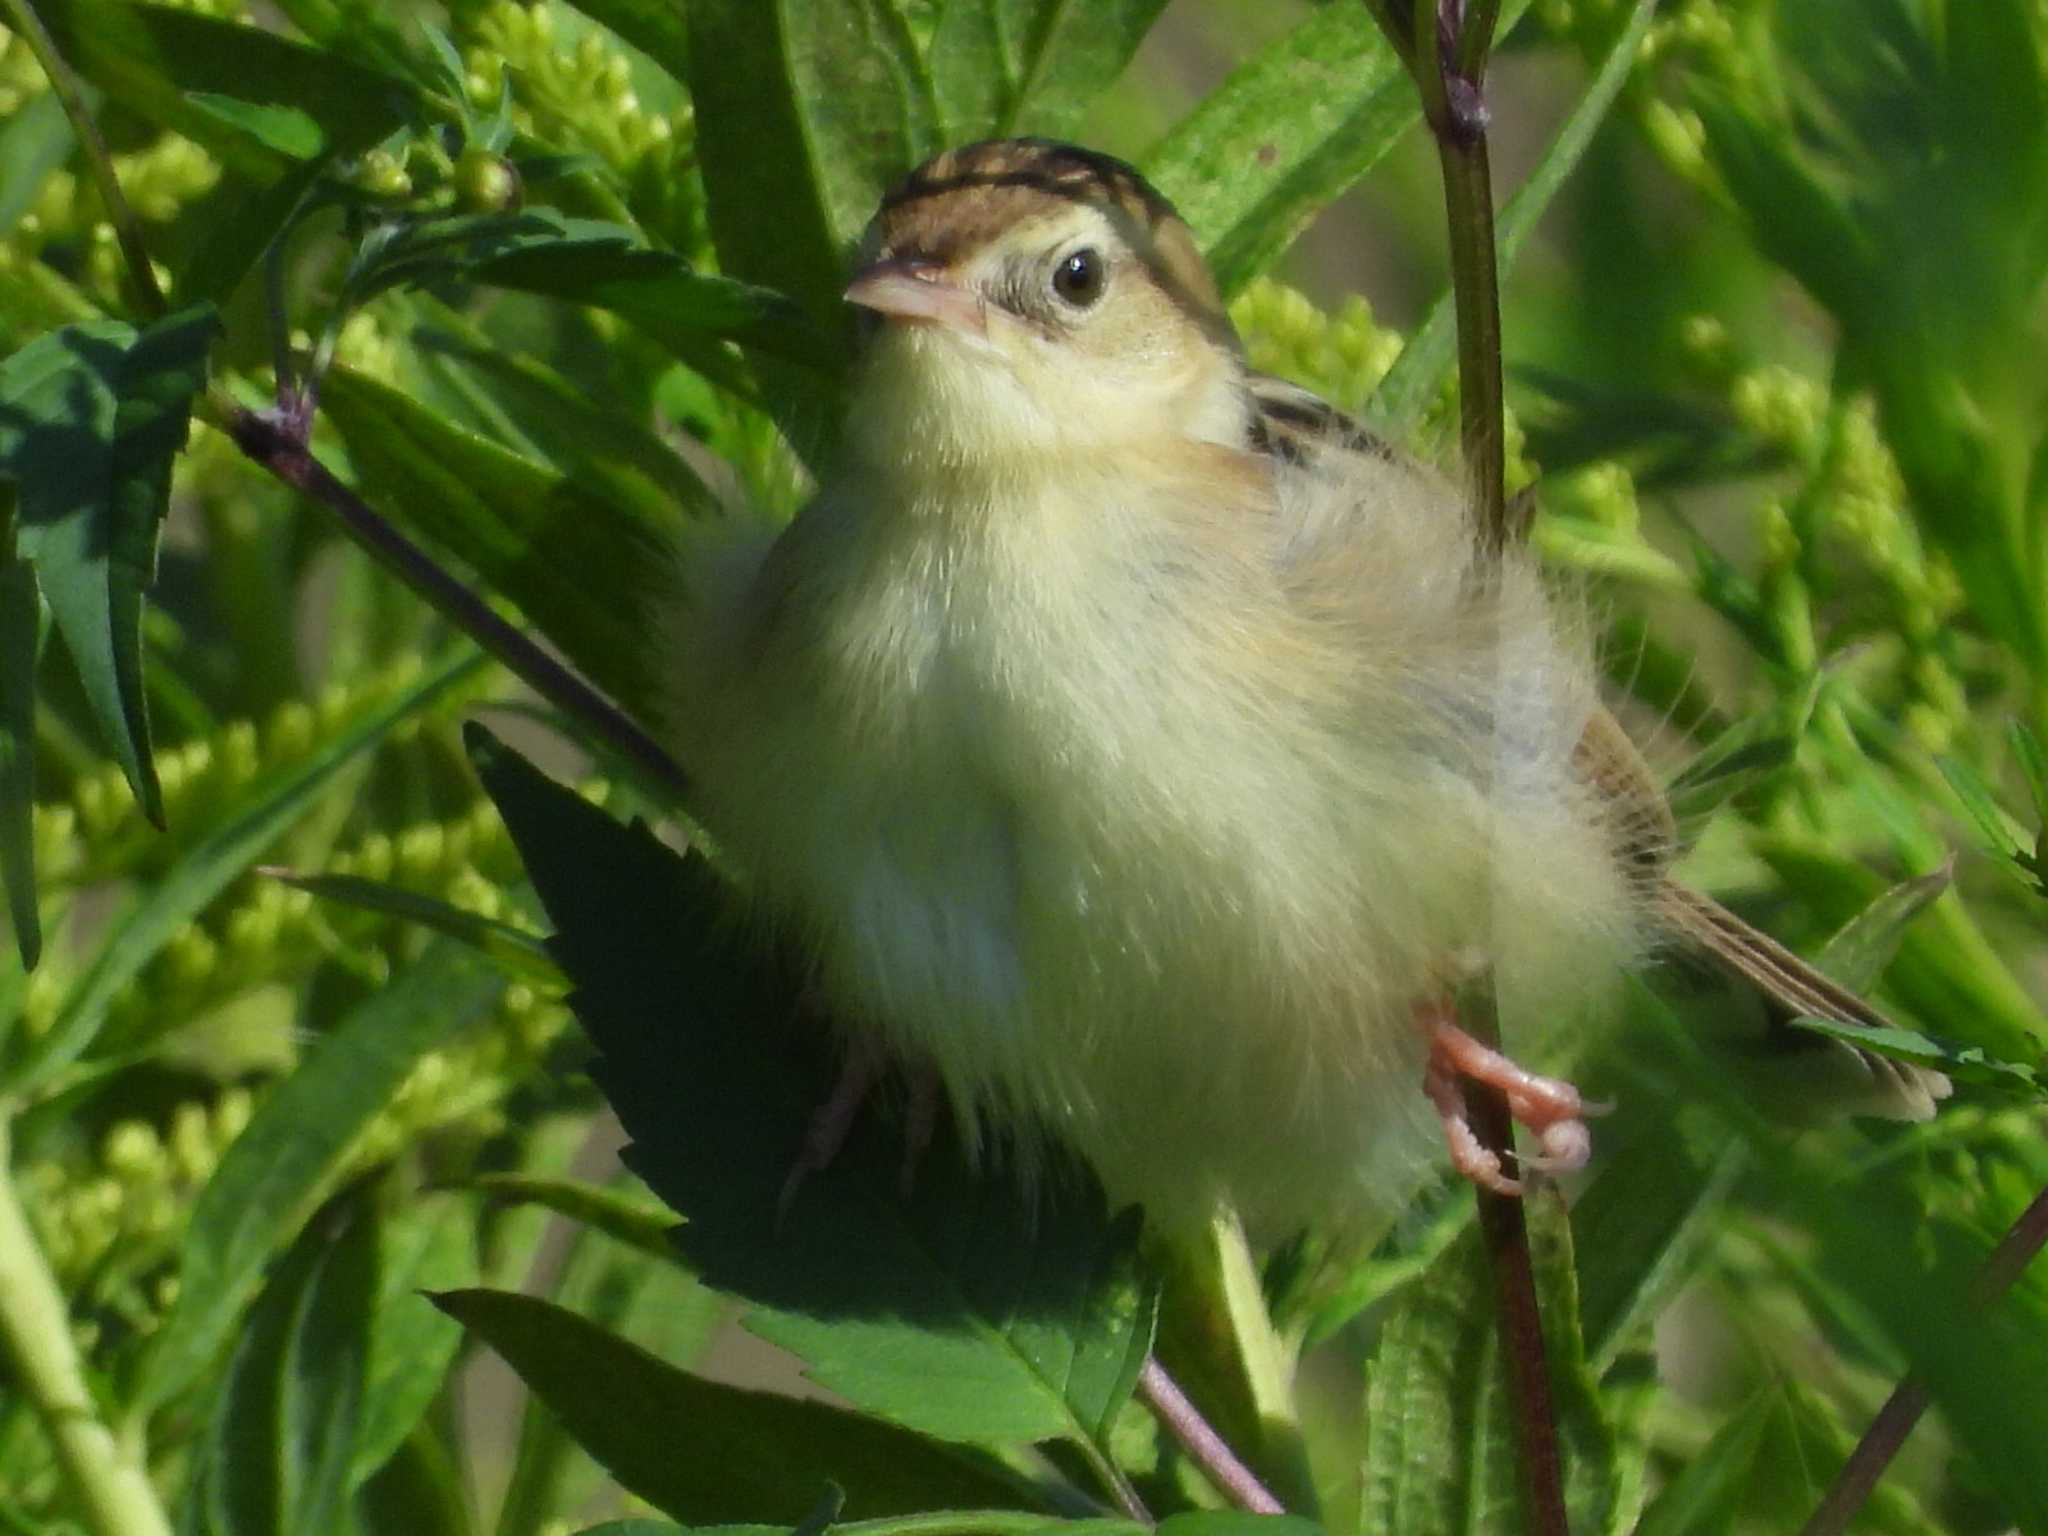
[830, 1126]
[1551, 1109]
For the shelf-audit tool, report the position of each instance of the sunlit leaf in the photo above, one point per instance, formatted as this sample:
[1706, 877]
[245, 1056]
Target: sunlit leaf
[261, 1192]
[699, 1450]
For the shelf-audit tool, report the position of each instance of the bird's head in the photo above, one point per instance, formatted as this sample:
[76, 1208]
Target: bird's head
[1026, 297]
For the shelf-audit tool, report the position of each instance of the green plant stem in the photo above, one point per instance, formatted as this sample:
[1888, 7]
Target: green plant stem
[70, 91]
[115, 1496]
[279, 448]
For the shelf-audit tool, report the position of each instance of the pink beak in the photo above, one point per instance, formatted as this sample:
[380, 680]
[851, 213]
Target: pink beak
[912, 288]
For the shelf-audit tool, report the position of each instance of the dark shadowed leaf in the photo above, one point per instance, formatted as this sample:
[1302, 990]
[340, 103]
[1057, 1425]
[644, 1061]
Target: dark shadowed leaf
[702, 1451]
[961, 1310]
[91, 417]
[23, 620]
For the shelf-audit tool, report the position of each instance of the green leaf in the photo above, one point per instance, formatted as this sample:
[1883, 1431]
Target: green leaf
[1440, 1447]
[516, 951]
[299, 1138]
[35, 140]
[1406, 390]
[91, 417]
[588, 572]
[1914, 1271]
[23, 622]
[176, 67]
[1860, 950]
[585, 436]
[585, 261]
[285, 1425]
[1706, 1495]
[1964, 1063]
[427, 1245]
[1006, 67]
[698, 1450]
[637, 1223]
[806, 111]
[961, 1310]
[654, 1302]
[1288, 131]
[289, 131]
[245, 828]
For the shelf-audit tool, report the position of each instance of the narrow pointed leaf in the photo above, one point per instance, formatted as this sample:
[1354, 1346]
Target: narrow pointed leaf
[282, 1161]
[516, 951]
[22, 623]
[586, 261]
[175, 67]
[217, 855]
[698, 1450]
[91, 416]
[286, 1422]
[1858, 953]
[635, 1221]
[806, 110]
[429, 1244]
[1004, 67]
[1706, 1495]
[1291, 128]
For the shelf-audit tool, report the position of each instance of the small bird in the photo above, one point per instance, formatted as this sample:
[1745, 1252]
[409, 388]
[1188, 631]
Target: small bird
[1150, 752]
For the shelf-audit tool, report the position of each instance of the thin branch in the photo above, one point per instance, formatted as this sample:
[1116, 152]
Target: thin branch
[1901, 1411]
[115, 1496]
[275, 442]
[1503, 1223]
[70, 91]
[1445, 49]
[1207, 1449]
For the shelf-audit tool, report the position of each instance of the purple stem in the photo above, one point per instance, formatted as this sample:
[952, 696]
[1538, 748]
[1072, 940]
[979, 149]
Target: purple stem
[1184, 1421]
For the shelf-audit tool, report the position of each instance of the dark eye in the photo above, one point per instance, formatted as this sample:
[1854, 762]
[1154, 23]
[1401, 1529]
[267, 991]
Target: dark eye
[1078, 277]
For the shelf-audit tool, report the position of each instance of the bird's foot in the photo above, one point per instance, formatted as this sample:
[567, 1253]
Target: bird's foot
[1551, 1108]
[832, 1123]
[825, 1136]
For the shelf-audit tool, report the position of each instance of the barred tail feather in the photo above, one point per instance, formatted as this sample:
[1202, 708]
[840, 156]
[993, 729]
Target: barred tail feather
[1900, 1091]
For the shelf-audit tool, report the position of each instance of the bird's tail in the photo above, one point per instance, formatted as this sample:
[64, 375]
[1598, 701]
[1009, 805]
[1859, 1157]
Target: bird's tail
[1898, 1090]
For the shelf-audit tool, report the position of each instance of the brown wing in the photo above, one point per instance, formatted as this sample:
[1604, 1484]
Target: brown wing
[1295, 426]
